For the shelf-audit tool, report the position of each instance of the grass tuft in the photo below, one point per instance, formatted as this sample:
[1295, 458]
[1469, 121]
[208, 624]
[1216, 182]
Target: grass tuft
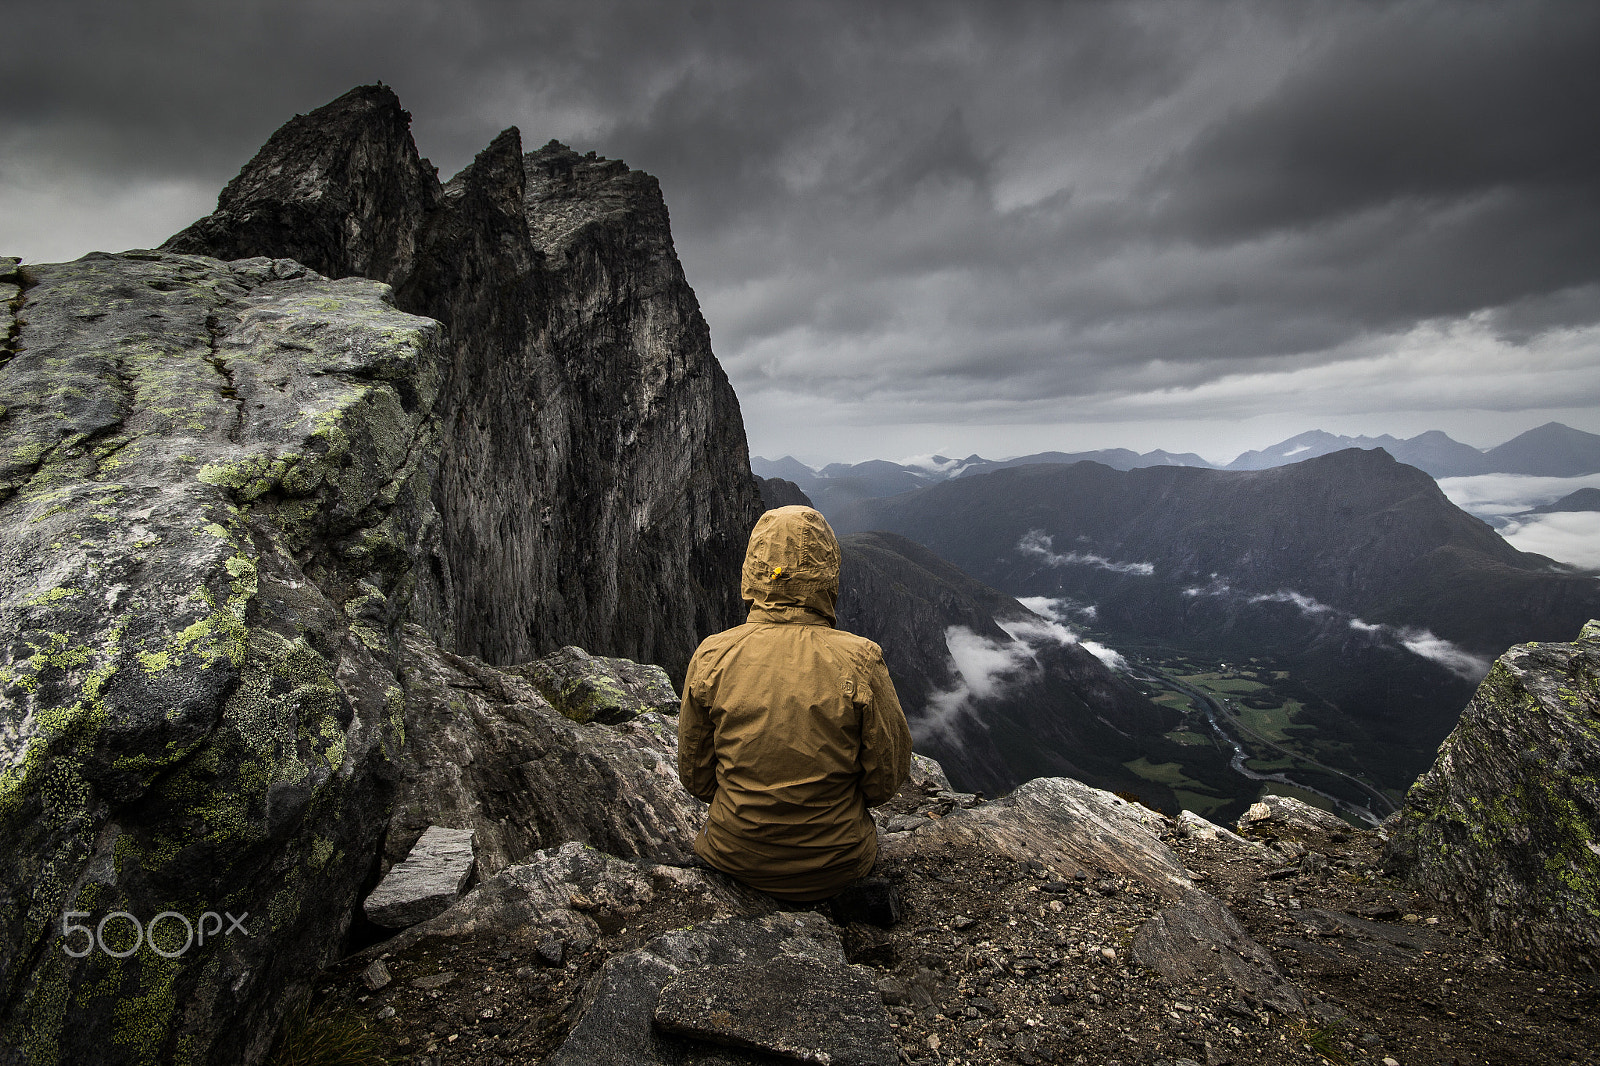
[324, 1036]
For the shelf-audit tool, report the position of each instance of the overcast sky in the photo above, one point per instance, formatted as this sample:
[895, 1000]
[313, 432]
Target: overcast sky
[959, 227]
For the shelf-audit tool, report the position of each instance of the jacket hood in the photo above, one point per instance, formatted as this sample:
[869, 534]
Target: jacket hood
[792, 561]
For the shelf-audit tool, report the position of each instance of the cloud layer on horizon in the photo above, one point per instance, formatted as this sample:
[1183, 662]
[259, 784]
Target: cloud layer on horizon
[916, 225]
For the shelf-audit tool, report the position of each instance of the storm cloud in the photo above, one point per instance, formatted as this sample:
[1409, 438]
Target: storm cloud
[954, 227]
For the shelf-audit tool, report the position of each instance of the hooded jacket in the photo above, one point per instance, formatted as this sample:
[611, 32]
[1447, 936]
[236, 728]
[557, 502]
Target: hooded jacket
[790, 728]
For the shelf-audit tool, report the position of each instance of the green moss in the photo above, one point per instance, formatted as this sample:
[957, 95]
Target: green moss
[154, 662]
[368, 636]
[47, 1012]
[284, 908]
[394, 706]
[321, 851]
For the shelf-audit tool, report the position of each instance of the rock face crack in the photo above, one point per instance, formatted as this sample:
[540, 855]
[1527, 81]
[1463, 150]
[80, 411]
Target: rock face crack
[215, 332]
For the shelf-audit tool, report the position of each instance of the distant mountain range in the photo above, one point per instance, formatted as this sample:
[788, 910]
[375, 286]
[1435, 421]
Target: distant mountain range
[1552, 450]
[1351, 569]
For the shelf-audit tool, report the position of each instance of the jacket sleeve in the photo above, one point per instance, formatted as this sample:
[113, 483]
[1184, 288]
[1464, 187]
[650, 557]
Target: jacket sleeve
[885, 738]
[697, 754]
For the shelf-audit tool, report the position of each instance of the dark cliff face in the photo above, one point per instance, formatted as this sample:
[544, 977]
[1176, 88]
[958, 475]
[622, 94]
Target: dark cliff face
[341, 190]
[594, 485]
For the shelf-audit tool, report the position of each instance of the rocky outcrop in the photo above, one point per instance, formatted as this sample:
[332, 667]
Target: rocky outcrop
[594, 688]
[249, 508]
[215, 508]
[1505, 828]
[484, 751]
[594, 484]
[776, 492]
[1029, 952]
[1286, 812]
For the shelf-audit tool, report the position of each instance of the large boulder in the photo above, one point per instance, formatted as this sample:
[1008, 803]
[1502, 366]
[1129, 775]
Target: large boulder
[678, 1000]
[214, 509]
[596, 688]
[485, 751]
[1505, 828]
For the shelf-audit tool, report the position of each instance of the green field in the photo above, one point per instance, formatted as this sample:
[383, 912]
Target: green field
[1167, 773]
[1201, 803]
[1175, 700]
[1273, 723]
[1279, 732]
[1223, 684]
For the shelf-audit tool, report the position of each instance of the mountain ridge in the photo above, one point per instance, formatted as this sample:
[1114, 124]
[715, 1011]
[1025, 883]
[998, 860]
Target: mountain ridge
[1353, 568]
[1551, 450]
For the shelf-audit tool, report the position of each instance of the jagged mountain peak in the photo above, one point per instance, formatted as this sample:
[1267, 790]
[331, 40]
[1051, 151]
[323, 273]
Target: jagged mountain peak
[341, 189]
[1550, 450]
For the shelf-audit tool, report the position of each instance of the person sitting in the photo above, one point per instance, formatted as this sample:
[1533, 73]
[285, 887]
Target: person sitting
[789, 727]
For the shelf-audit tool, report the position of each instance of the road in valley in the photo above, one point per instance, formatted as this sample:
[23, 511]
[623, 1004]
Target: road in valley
[1216, 714]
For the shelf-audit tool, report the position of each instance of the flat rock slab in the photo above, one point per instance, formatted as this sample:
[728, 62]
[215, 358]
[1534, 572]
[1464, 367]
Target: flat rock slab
[800, 958]
[427, 883]
[786, 1006]
[1059, 822]
[1198, 938]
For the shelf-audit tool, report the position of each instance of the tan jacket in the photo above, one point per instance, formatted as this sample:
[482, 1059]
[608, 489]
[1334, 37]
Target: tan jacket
[790, 728]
